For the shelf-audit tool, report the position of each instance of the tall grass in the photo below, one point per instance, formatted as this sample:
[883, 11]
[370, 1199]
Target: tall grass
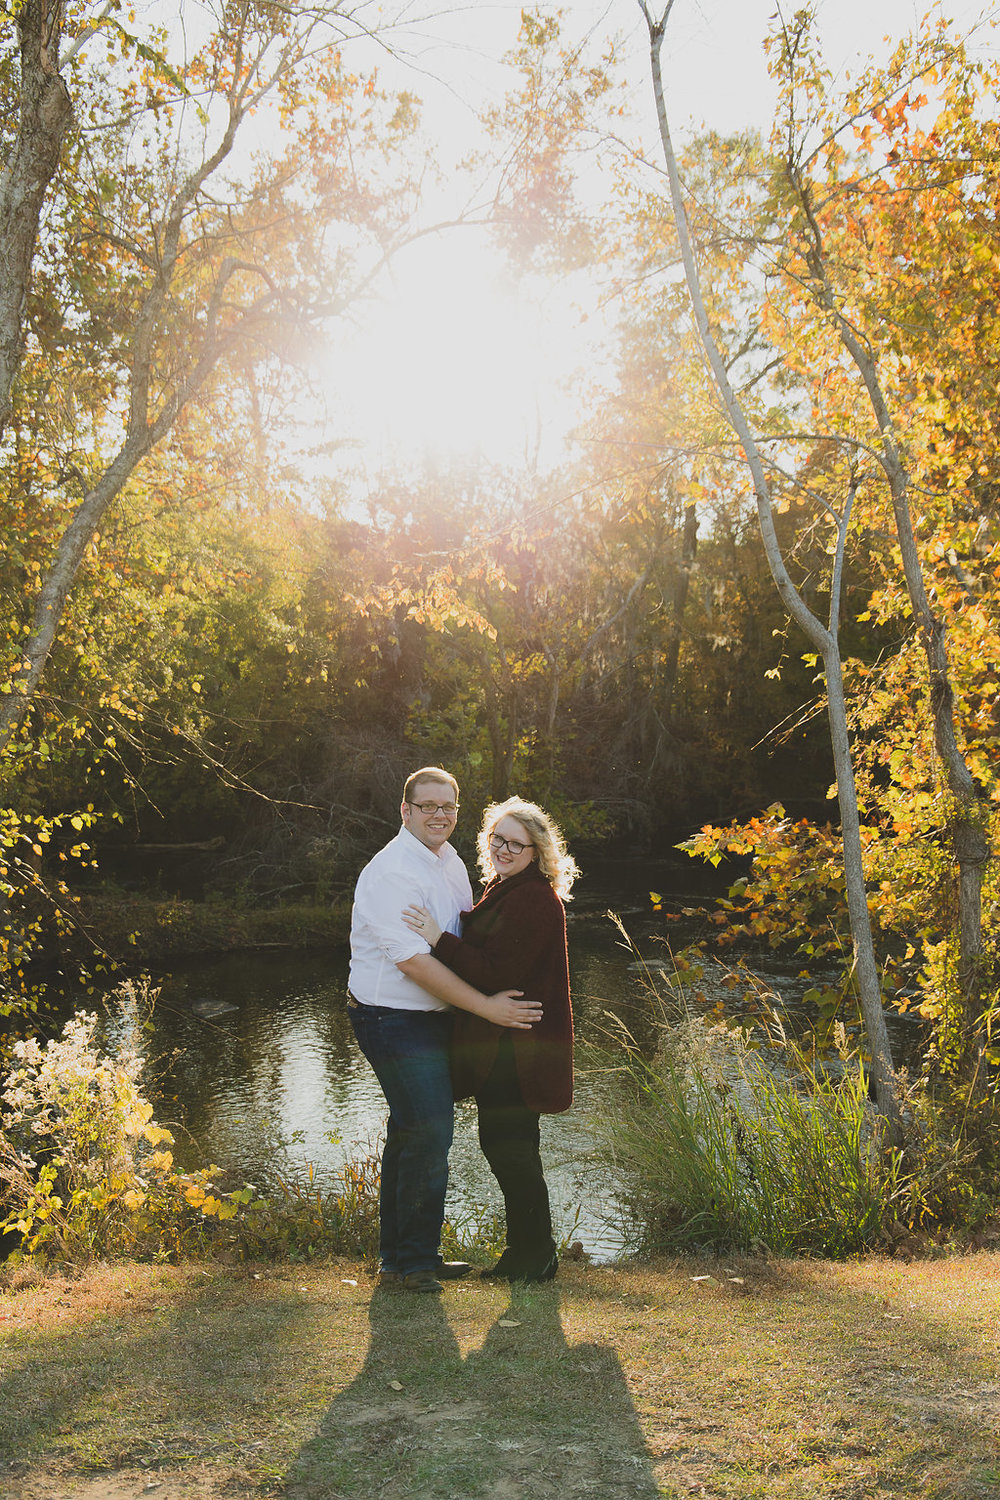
[711, 1141]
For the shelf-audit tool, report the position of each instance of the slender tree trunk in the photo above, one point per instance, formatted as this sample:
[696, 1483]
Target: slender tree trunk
[551, 714]
[825, 639]
[671, 657]
[51, 600]
[501, 720]
[970, 844]
[865, 966]
[45, 115]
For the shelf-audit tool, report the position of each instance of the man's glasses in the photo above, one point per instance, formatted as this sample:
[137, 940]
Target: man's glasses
[433, 807]
[513, 846]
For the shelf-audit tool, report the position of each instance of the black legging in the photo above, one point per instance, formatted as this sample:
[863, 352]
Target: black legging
[509, 1136]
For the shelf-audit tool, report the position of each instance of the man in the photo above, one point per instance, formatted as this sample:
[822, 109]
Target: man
[400, 1007]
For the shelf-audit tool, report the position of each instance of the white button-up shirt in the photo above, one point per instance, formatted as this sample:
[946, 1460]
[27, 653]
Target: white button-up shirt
[404, 873]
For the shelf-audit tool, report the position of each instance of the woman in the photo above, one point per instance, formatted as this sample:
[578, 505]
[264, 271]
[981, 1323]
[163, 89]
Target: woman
[515, 938]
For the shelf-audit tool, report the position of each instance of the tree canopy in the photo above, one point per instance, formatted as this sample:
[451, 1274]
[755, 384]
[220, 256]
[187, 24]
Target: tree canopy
[208, 637]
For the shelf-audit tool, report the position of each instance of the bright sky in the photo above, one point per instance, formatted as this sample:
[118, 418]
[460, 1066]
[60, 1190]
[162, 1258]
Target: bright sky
[456, 361]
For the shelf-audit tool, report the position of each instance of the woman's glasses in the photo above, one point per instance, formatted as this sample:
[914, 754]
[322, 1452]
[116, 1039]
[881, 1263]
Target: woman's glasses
[513, 846]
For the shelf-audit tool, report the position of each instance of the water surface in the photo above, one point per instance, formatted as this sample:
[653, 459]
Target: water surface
[285, 1054]
[278, 1058]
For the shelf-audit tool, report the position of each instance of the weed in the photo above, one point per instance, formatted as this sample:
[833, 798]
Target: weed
[731, 1134]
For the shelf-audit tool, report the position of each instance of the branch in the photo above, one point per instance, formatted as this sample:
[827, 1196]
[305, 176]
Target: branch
[790, 596]
[70, 53]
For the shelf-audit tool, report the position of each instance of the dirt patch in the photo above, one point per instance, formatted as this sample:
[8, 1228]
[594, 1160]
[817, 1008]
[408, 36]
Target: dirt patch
[127, 1484]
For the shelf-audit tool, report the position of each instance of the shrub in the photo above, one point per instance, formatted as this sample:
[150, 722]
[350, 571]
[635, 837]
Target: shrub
[715, 1142]
[85, 1168]
[299, 1215]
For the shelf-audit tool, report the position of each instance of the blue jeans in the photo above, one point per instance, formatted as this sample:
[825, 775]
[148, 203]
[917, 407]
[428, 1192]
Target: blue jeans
[408, 1052]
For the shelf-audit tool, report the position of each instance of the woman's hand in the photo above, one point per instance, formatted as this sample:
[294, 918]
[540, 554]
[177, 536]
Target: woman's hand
[505, 1009]
[420, 921]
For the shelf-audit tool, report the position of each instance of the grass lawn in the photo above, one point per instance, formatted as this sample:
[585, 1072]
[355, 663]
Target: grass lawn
[774, 1379]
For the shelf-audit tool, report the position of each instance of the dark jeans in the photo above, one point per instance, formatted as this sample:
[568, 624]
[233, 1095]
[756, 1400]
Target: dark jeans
[408, 1051]
[509, 1136]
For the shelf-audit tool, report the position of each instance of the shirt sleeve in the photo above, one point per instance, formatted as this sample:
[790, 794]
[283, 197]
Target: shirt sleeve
[379, 906]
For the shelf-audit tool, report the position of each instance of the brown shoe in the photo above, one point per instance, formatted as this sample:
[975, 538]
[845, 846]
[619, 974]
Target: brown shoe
[421, 1281]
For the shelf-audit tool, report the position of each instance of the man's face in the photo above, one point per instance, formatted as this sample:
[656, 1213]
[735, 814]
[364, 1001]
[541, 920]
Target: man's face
[433, 828]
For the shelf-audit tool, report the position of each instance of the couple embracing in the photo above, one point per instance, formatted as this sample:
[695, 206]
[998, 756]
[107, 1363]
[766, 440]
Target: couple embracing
[451, 1000]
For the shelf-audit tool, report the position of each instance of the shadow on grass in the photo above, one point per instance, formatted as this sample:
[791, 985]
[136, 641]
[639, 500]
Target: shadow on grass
[805, 1378]
[525, 1413]
[180, 1383]
[801, 1378]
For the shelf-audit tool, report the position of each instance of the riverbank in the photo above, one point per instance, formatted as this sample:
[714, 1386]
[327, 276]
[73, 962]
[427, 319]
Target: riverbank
[729, 1379]
[139, 927]
[144, 930]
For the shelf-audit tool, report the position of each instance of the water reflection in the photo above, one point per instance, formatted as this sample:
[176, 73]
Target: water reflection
[256, 1046]
[261, 1043]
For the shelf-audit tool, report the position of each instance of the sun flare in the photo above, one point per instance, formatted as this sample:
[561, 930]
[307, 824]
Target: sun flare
[455, 362]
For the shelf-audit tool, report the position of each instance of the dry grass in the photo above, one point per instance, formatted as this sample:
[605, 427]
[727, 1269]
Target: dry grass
[784, 1379]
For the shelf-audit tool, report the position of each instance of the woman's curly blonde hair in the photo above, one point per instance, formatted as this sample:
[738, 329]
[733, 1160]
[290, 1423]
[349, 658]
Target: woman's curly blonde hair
[555, 862]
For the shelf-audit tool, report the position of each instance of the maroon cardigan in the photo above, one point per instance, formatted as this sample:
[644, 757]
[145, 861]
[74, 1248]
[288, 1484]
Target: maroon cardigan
[514, 938]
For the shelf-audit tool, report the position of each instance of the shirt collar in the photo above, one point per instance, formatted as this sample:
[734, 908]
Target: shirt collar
[421, 850]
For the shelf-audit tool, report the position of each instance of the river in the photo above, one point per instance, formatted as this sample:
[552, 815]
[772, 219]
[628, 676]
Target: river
[258, 1046]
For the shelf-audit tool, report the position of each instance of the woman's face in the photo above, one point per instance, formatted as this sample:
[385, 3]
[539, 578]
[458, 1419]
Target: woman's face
[511, 849]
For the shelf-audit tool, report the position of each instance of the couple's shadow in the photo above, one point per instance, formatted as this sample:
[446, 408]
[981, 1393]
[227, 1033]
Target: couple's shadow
[524, 1413]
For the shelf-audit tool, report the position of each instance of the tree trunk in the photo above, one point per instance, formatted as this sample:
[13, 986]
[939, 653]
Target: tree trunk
[501, 703]
[45, 115]
[671, 656]
[970, 844]
[58, 581]
[825, 639]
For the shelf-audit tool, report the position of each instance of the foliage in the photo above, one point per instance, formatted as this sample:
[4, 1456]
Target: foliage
[951, 1166]
[560, 114]
[300, 1215]
[296, 1216]
[87, 1172]
[85, 1168]
[718, 1146]
[36, 915]
[792, 898]
[794, 893]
